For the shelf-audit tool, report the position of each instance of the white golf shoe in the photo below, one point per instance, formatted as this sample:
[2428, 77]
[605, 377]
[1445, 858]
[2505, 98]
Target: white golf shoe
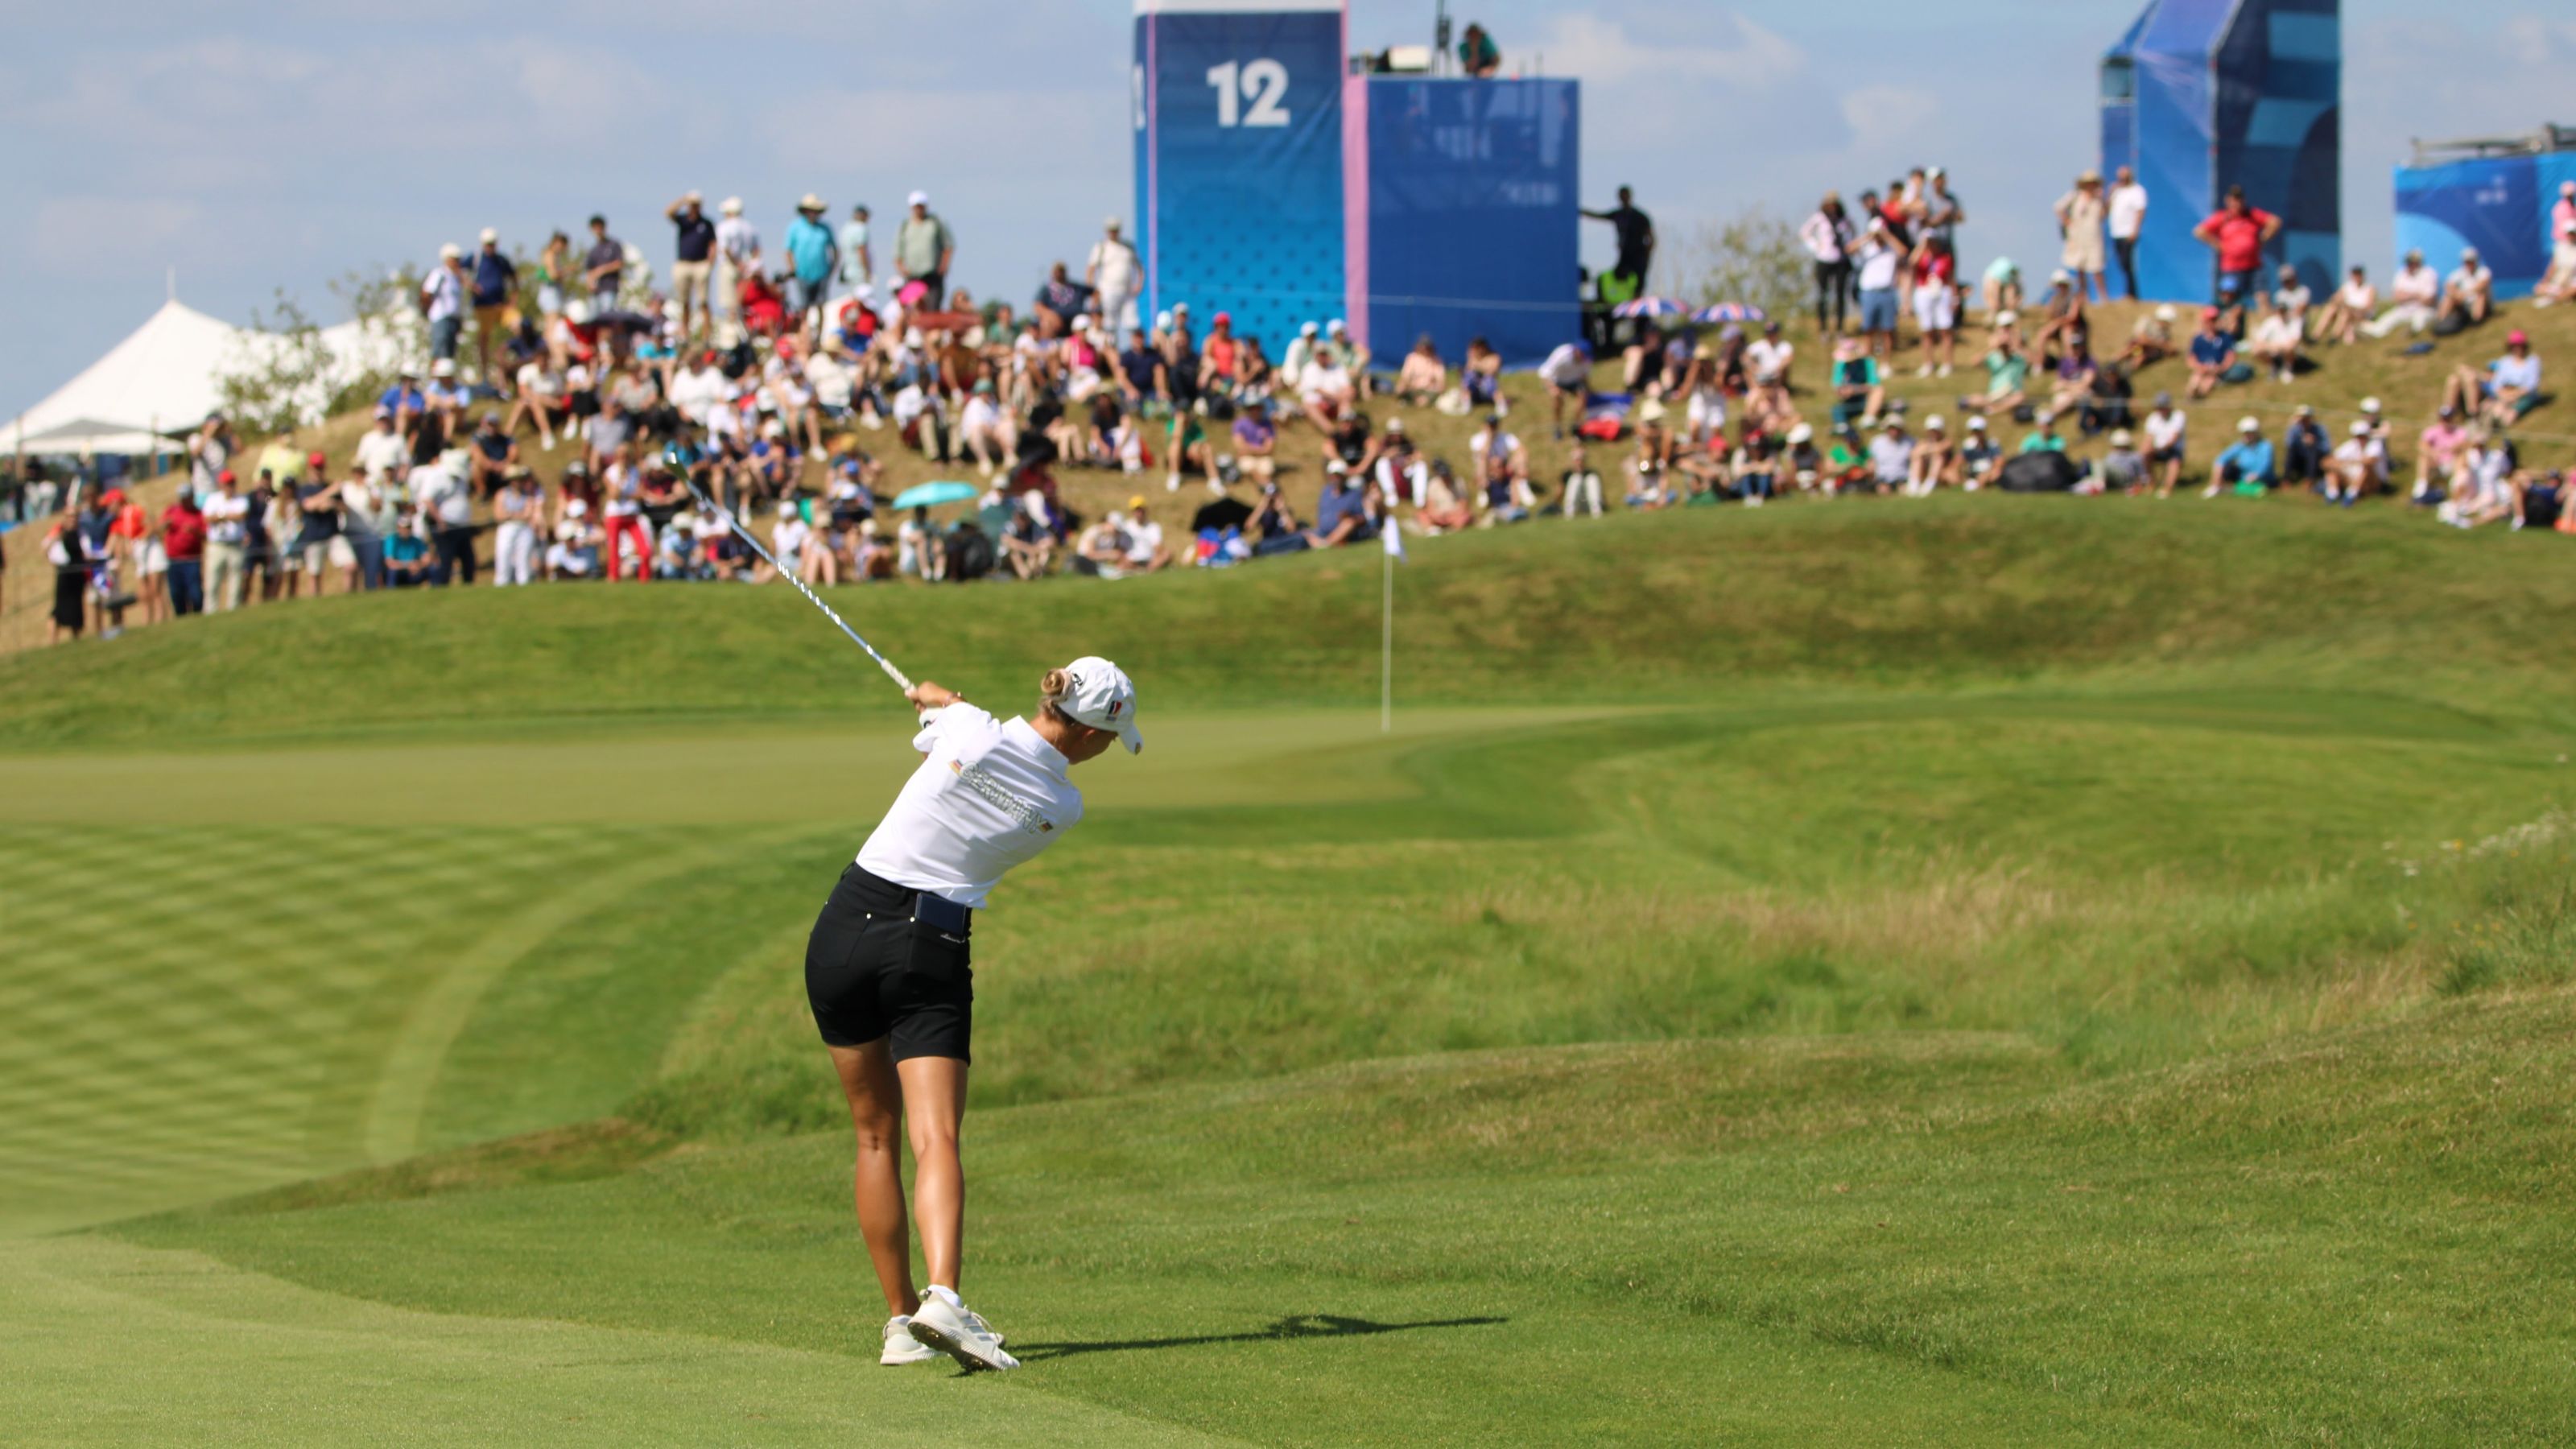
[961, 1333]
[901, 1347]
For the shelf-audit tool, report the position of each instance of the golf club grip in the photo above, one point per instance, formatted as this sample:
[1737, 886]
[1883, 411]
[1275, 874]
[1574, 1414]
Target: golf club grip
[811, 597]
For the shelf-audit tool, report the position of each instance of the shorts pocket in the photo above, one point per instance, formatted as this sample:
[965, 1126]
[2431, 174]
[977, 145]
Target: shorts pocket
[939, 959]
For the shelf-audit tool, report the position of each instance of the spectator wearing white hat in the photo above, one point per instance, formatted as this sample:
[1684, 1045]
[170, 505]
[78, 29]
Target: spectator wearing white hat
[442, 301]
[692, 261]
[2248, 464]
[737, 256]
[1115, 275]
[2168, 435]
[924, 250]
[495, 291]
[2469, 292]
[2079, 220]
[1301, 351]
[1933, 460]
[2413, 295]
[2123, 466]
[813, 259]
[2355, 465]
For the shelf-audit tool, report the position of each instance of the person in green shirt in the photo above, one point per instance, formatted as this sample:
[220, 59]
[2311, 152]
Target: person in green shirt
[1846, 462]
[2007, 371]
[2045, 438]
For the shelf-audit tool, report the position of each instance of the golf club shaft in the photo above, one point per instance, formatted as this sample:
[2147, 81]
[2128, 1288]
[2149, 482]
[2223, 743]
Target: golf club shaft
[789, 575]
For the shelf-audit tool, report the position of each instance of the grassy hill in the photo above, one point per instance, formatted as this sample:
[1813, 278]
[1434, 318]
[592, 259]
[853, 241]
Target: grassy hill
[1988, 971]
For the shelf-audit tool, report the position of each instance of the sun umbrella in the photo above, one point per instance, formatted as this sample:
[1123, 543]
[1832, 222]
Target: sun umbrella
[931, 495]
[1649, 307]
[1730, 312]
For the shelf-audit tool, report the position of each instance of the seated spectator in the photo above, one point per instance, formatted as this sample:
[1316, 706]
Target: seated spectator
[1445, 508]
[1766, 363]
[2539, 500]
[2072, 382]
[1508, 498]
[2485, 491]
[1326, 392]
[1846, 460]
[1147, 553]
[986, 430]
[1568, 375]
[1273, 527]
[1860, 391]
[2558, 282]
[2107, 405]
[1497, 454]
[2439, 449]
[2352, 467]
[2294, 296]
[2247, 464]
[1933, 462]
[2151, 337]
[2469, 292]
[1256, 442]
[2007, 372]
[1100, 550]
[2276, 340]
[492, 454]
[1342, 514]
[2508, 388]
[2305, 449]
[2123, 467]
[1397, 468]
[921, 550]
[1027, 543]
[1481, 377]
[2339, 320]
[1891, 457]
[408, 564]
[1579, 489]
[1649, 467]
[2412, 292]
[1752, 475]
[2044, 435]
[1060, 299]
[1423, 377]
[1980, 460]
[2212, 353]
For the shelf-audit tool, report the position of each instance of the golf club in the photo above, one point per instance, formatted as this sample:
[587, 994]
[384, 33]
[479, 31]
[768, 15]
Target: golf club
[811, 597]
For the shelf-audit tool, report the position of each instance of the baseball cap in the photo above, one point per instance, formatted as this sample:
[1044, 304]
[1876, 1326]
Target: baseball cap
[1225, 319]
[2248, 424]
[1976, 424]
[2517, 338]
[226, 476]
[2360, 429]
[1099, 694]
[450, 252]
[490, 236]
[732, 206]
[918, 198]
[316, 460]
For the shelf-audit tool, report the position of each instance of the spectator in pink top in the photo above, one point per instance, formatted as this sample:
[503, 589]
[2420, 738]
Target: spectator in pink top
[2238, 231]
[2558, 284]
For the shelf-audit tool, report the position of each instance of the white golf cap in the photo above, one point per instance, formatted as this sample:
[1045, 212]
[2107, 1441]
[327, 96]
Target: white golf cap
[1308, 330]
[2360, 429]
[490, 236]
[2370, 404]
[1337, 327]
[1976, 423]
[732, 206]
[1099, 694]
[918, 198]
[2248, 425]
[1934, 424]
[450, 252]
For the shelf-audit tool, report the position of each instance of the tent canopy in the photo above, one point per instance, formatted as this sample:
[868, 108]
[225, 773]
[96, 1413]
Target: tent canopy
[90, 436]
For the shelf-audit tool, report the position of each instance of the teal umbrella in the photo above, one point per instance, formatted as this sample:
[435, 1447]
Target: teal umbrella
[931, 495]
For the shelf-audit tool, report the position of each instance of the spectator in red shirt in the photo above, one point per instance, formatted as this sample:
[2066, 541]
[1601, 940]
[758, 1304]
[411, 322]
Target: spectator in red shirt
[183, 538]
[2238, 231]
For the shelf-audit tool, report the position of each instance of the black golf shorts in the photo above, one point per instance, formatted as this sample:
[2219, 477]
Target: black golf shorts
[873, 971]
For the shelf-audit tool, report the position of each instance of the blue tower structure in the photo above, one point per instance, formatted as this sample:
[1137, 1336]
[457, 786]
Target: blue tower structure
[2202, 95]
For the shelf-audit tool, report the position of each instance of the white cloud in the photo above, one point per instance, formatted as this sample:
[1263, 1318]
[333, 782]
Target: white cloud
[1727, 49]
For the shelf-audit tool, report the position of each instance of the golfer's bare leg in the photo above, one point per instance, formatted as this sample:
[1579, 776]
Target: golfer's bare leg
[876, 1102]
[934, 1101]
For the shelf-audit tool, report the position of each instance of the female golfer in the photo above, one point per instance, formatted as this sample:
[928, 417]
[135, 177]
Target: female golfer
[886, 969]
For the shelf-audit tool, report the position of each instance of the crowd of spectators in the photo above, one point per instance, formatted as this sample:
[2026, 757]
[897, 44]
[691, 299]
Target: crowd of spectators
[592, 420]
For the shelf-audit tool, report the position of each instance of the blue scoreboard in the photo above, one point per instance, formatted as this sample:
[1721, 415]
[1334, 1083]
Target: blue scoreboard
[1240, 174]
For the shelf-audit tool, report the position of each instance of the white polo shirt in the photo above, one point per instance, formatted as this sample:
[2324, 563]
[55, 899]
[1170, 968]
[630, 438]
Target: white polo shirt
[991, 795]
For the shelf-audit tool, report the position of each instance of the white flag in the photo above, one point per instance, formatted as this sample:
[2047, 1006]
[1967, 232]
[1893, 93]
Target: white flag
[1393, 536]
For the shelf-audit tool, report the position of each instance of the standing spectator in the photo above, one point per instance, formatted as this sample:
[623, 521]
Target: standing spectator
[1567, 371]
[924, 250]
[554, 268]
[2127, 208]
[1114, 274]
[1478, 56]
[737, 257]
[366, 514]
[2411, 294]
[64, 551]
[1636, 236]
[496, 287]
[381, 449]
[1936, 304]
[210, 451]
[1879, 259]
[814, 258]
[1941, 210]
[858, 262]
[183, 544]
[2238, 232]
[447, 498]
[2079, 221]
[693, 250]
[2558, 283]
[2339, 320]
[1828, 238]
[603, 267]
[2212, 353]
[442, 301]
[2469, 292]
[225, 512]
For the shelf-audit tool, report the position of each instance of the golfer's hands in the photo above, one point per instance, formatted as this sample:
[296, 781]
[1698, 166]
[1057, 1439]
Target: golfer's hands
[927, 695]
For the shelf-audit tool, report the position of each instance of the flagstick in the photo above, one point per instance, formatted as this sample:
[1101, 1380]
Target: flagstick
[1386, 652]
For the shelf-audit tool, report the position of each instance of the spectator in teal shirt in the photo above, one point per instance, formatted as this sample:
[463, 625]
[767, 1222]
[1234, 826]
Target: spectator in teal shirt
[813, 255]
[2248, 463]
[2045, 438]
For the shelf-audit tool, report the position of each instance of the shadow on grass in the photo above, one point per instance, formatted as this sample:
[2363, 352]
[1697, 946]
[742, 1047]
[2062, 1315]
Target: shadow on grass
[1295, 1325]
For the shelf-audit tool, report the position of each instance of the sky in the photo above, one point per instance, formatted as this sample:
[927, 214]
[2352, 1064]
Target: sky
[277, 147]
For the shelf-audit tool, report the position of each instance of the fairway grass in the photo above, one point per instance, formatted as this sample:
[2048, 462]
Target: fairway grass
[1870, 978]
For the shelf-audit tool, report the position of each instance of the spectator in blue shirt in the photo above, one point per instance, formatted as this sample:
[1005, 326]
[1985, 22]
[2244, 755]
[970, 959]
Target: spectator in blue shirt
[813, 254]
[2508, 388]
[496, 285]
[405, 403]
[2247, 463]
[2212, 353]
[2304, 448]
[692, 261]
[407, 563]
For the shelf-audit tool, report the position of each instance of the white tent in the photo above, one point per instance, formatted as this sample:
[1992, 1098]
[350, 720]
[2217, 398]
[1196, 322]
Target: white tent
[163, 379]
